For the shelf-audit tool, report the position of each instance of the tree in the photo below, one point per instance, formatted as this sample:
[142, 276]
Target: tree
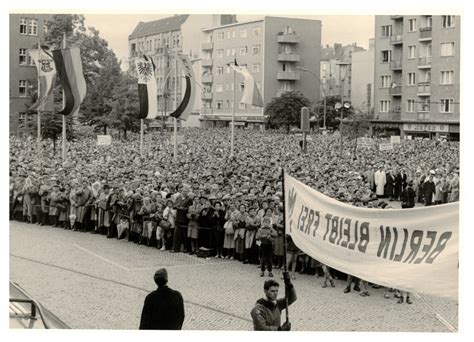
[332, 115]
[285, 111]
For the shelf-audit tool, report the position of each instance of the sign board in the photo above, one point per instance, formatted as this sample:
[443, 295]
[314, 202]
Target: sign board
[305, 119]
[309, 138]
[385, 146]
[365, 142]
[104, 140]
[395, 139]
[425, 127]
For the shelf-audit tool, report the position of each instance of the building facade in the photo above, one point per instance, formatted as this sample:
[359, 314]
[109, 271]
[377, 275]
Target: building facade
[336, 70]
[417, 75]
[271, 48]
[362, 85]
[25, 32]
[164, 38]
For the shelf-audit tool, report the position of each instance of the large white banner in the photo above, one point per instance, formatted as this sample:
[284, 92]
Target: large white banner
[407, 249]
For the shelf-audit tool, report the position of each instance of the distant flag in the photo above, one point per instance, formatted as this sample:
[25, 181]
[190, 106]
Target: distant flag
[46, 75]
[69, 66]
[147, 90]
[185, 107]
[251, 95]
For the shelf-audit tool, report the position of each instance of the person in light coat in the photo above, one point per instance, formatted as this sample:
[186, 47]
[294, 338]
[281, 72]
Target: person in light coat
[380, 180]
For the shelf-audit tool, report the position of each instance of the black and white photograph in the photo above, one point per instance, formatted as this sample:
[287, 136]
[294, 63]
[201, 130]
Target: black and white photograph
[235, 170]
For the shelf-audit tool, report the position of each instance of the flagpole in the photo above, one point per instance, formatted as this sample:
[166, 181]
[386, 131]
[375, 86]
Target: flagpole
[64, 116]
[141, 137]
[38, 141]
[285, 243]
[175, 120]
[233, 113]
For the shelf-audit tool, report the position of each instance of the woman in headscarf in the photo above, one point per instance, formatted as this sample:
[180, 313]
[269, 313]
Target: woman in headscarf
[239, 220]
[193, 225]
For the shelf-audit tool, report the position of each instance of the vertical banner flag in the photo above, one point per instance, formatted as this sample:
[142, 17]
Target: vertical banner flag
[46, 76]
[414, 250]
[184, 109]
[69, 66]
[251, 94]
[147, 89]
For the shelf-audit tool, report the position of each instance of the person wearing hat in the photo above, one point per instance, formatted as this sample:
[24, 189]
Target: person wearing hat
[163, 308]
[429, 189]
[408, 196]
[380, 180]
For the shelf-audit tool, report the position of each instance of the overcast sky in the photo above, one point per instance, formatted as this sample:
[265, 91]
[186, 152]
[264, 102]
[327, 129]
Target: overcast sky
[346, 29]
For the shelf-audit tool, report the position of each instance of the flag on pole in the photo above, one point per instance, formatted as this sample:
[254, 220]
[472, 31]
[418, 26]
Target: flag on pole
[252, 94]
[184, 109]
[147, 90]
[46, 76]
[69, 66]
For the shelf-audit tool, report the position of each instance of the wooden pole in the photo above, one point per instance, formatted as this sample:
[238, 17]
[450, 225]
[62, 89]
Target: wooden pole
[141, 137]
[175, 121]
[233, 114]
[38, 140]
[285, 243]
[64, 116]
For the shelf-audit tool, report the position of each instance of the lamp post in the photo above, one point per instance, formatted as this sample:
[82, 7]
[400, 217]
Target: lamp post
[324, 92]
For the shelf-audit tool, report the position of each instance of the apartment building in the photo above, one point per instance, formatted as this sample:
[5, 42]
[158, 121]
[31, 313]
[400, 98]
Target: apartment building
[336, 70]
[417, 75]
[362, 85]
[272, 48]
[25, 31]
[164, 38]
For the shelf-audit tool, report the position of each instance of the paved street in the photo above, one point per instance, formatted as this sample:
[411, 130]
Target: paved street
[91, 282]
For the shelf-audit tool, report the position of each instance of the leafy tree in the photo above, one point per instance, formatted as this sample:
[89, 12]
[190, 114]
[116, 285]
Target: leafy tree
[285, 111]
[332, 115]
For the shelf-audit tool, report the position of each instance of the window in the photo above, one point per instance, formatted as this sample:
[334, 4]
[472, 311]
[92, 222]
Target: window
[447, 21]
[23, 26]
[447, 49]
[220, 53]
[243, 51]
[33, 27]
[219, 88]
[256, 67]
[428, 50]
[429, 21]
[228, 52]
[228, 34]
[387, 31]
[256, 31]
[220, 36]
[227, 70]
[446, 105]
[233, 52]
[411, 78]
[219, 70]
[425, 77]
[411, 25]
[386, 80]
[386, 56]
[446, 77]
[31, 62]
[384, 106]
[233, 34]
[242, 105]
[412, 52]
[410, 106]
[243, 33]
[22, 88]
[219, 104]
[256, 49]
[22, 57]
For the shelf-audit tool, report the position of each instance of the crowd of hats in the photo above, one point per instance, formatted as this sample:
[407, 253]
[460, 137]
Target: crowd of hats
[205, 165]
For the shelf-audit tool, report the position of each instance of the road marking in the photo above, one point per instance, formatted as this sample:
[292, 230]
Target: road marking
[102, 258]
[437, 315]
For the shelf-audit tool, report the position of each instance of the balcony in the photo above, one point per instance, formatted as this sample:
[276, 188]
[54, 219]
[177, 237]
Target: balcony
[395, 91]
[289, 38]
[288, 57]
[423, 116]
[396, 39]
[206, 79]
[206, 96]
[288, 76]
[207, 46]
[425, 34]
[396, 65]
[424, 62]
[424, 89]
[396, 17]
[205, 111]
[207, 63]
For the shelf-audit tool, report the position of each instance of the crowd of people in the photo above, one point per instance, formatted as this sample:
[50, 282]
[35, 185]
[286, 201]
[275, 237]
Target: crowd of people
[208, 203]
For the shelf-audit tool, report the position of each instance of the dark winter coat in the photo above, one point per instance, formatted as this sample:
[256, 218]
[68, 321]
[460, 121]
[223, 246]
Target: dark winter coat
[163, 310]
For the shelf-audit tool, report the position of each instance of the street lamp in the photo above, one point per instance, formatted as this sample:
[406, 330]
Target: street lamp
[324, 92]
[339, 106]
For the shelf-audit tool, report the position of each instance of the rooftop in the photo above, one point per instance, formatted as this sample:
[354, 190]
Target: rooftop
[159, 26]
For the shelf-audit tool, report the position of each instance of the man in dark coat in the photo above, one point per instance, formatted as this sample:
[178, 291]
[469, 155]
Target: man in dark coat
[408, 196]
[429, 189]
[182, 204]
[163, 308]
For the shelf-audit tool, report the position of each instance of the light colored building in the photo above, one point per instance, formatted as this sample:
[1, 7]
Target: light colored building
[417, 75]
[336, 70]
[271, 48]
[362, 87]
[162, 39]
[25, 31]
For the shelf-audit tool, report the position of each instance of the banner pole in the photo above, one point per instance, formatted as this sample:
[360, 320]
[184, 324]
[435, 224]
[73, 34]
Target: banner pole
[233, 113]
[285, 243]
[38, 142]
[141, 137]
[175, 120]
[64, 116]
